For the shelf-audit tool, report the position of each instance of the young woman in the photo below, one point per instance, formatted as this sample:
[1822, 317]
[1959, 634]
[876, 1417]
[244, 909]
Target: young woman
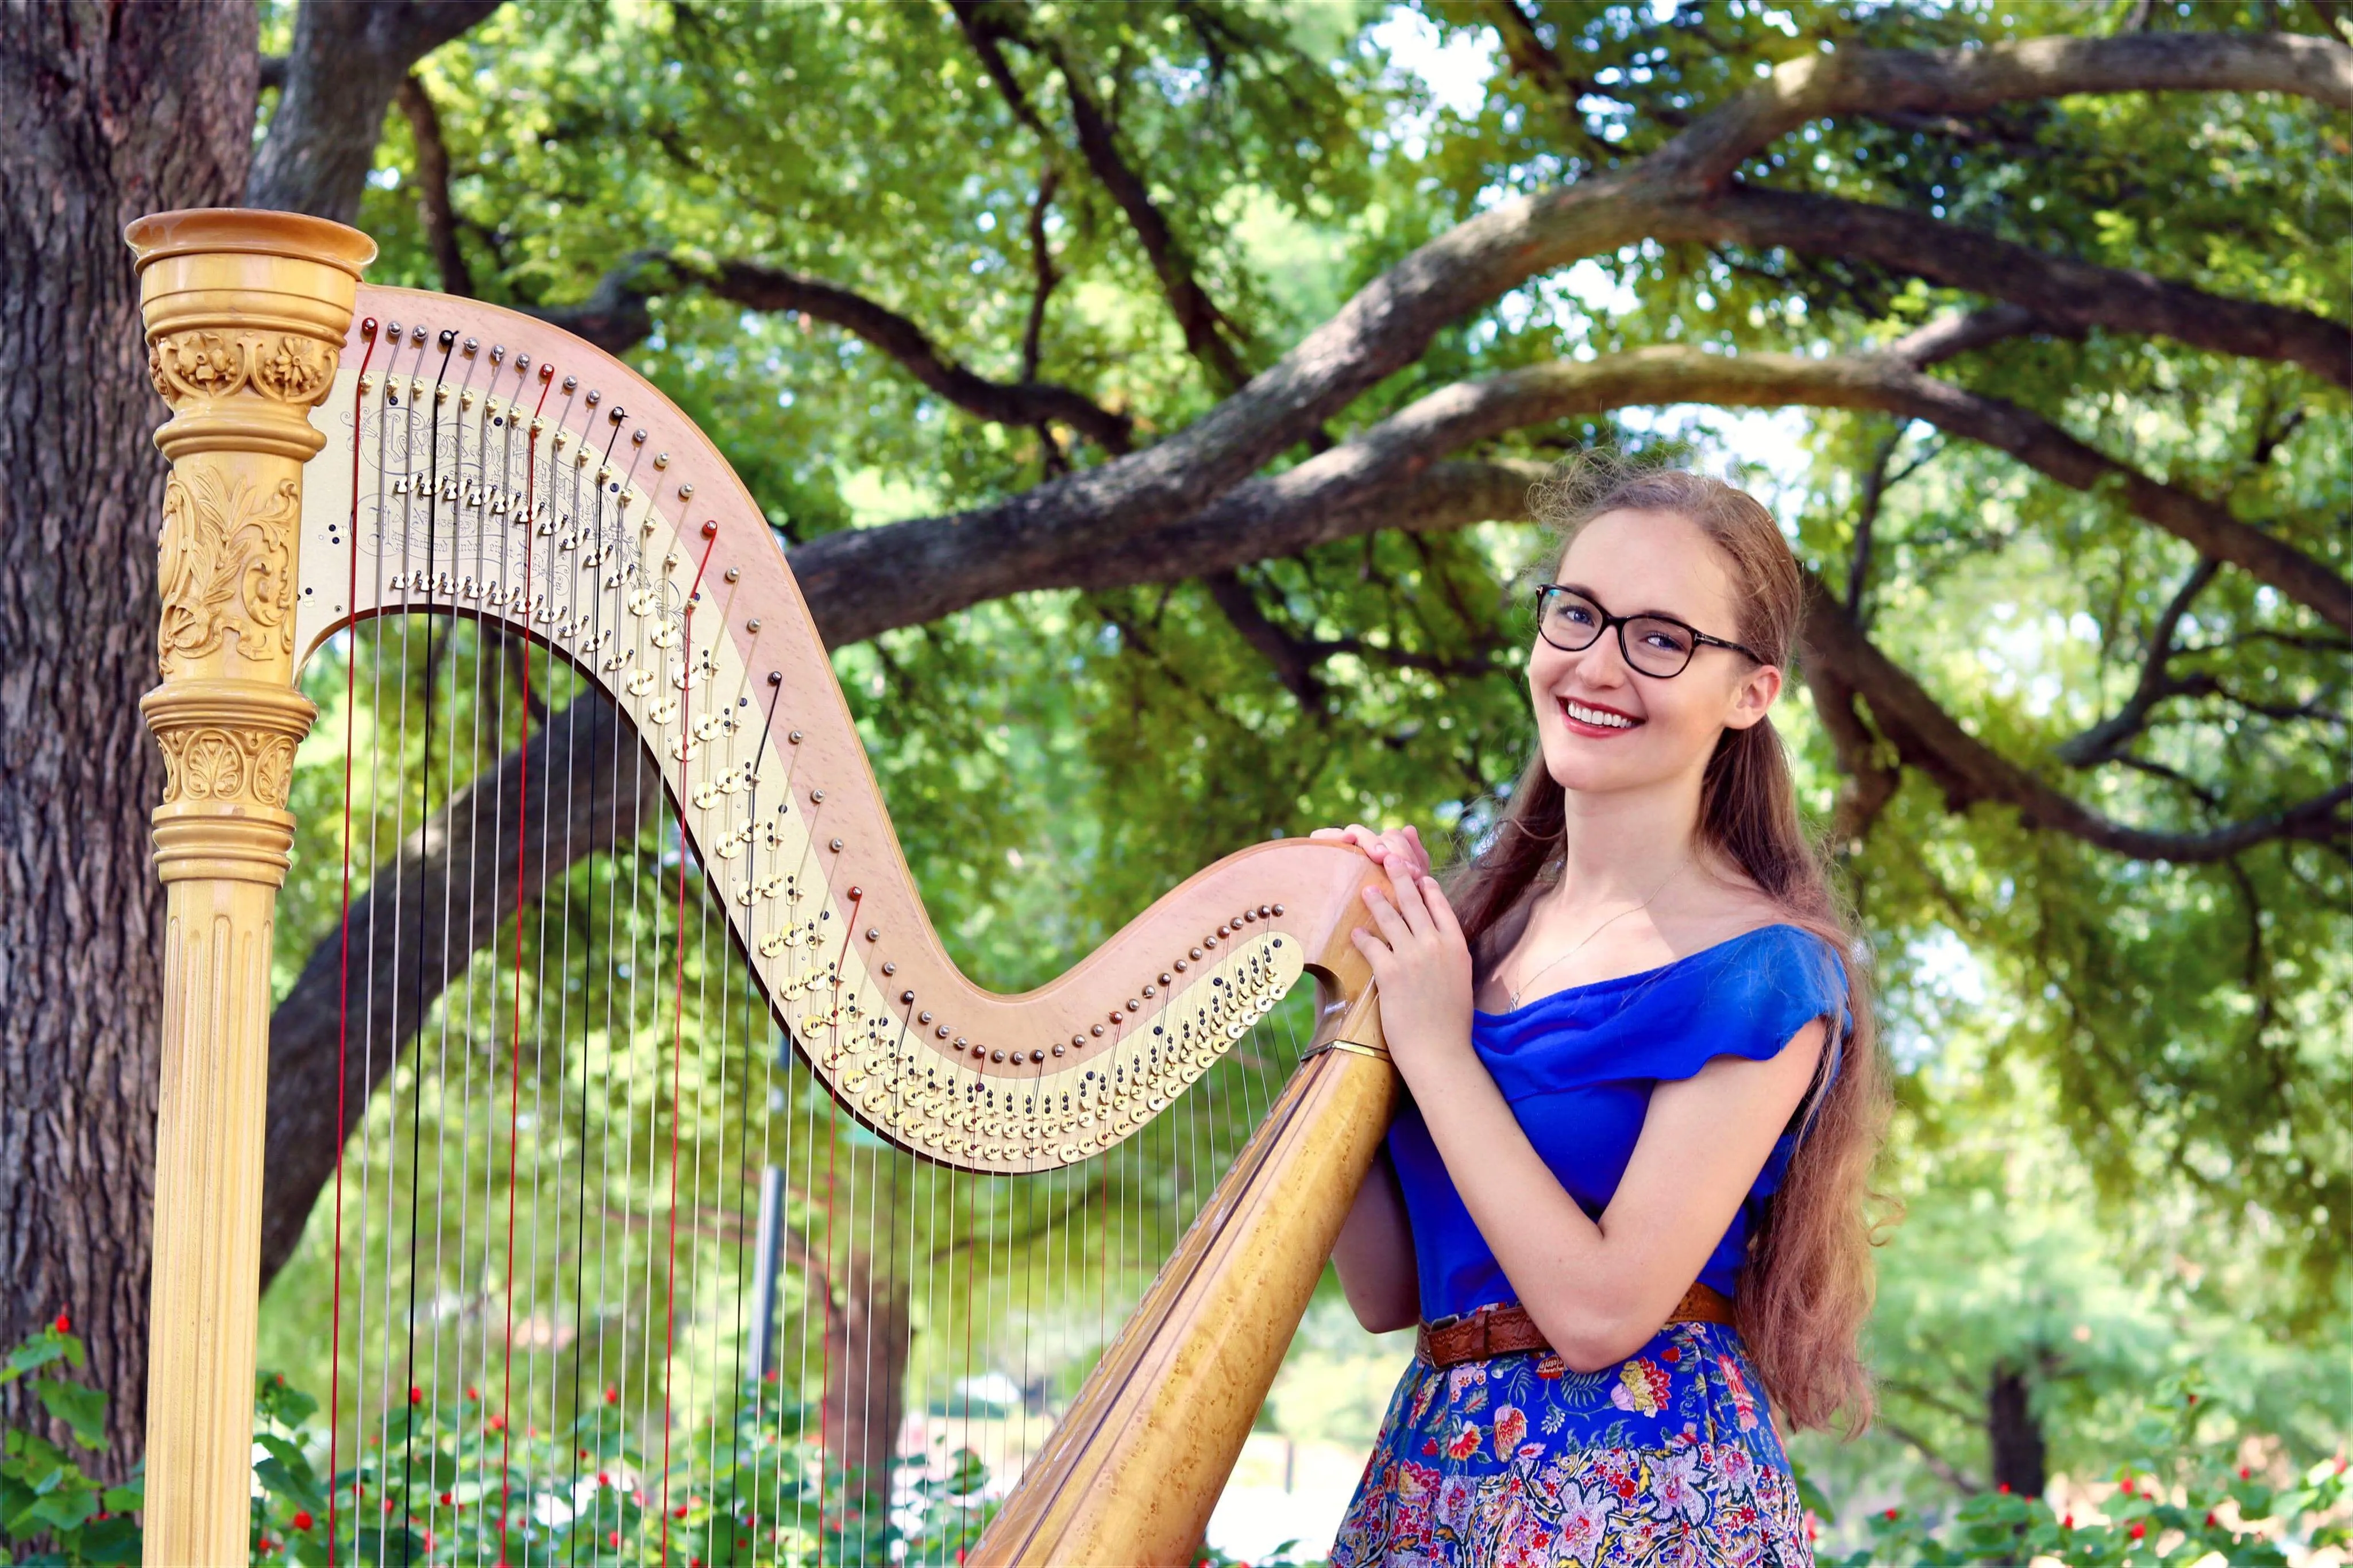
[1625, 1199]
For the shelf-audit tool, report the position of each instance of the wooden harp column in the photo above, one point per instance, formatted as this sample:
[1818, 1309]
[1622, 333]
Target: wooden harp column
[250, 318]
[246, 315]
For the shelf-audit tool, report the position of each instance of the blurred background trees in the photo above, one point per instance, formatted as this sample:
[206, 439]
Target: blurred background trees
[2041, 364]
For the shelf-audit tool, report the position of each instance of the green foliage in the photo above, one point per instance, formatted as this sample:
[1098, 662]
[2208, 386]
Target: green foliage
[2167, 1043]
[67, 1517]
[2179, 1500]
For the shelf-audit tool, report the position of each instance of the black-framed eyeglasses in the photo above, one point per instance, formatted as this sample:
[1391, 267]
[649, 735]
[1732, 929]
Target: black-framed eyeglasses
[1660, 647]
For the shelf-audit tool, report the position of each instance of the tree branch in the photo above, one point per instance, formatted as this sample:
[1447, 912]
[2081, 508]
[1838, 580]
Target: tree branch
[1292, 661]
[1944, 1469]
[2101, 741]
[1971, 771]
[2067, 294]
[615, 319]
[1199, 319]
[1391, 320]
[1866, 519]
[433, 205]
[347, 63]
[1957, 333]
[1956, 81]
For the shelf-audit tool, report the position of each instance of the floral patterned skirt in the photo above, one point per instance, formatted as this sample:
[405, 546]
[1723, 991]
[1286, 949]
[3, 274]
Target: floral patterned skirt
[1670, 1458]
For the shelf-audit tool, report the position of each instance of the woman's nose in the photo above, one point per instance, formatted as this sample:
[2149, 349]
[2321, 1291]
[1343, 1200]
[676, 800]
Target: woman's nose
[1602, 663]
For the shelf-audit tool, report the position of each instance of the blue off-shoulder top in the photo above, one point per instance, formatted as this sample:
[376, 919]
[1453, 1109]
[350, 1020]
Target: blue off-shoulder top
[1578, 1066]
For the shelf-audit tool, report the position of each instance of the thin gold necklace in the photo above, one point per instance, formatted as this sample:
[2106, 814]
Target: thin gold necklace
[1522, 988]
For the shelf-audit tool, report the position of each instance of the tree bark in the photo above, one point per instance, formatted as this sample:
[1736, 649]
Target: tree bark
[106, 112]
[865, 1383]
[2013, 1432]
[349, 59]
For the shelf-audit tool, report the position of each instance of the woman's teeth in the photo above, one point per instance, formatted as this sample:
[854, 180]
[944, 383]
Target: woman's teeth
[1605, 719]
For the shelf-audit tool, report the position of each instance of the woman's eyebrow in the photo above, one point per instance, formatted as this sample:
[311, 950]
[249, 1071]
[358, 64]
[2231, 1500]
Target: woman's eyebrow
[1584, 591]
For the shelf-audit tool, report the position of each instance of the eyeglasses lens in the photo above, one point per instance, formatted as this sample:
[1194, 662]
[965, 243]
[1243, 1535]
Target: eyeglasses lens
[1570, 622]
[1657, 648]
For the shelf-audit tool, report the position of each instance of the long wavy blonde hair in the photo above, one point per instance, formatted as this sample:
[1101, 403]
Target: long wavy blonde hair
[1807, 1285]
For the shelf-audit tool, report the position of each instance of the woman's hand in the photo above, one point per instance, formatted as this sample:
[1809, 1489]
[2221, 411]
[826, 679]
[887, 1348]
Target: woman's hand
[1398, 844]
[1423, 968]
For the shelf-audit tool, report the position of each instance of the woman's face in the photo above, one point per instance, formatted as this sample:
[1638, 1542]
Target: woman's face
[1606, 727]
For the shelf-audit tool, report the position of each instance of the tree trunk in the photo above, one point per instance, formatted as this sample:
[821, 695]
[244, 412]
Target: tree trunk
[2014, 1432]
[865, 1383]
[106, 112]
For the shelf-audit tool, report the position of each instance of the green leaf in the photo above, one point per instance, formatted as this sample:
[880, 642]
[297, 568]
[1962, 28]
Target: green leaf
[83, 1409]
[33, 1352]
[299, 1490]
[128, 1498]
[66, 1507]
[111, 1541]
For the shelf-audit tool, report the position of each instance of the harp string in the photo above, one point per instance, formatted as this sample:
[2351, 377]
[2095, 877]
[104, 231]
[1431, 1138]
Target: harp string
[344, 967]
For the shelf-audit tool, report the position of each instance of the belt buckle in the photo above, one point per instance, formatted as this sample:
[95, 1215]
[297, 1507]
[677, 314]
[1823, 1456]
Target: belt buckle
[1439, 1325]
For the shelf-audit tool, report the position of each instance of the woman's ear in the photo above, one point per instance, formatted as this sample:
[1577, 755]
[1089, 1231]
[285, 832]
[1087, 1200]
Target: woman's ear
[1753, 697]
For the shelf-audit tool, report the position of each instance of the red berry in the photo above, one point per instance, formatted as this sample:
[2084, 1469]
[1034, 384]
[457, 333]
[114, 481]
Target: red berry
[2244, 1472]
[302, 1519]
[612, 1395]
[1894, 1512]
[2137, 1531]
[2005, 1489]
[603, 1479]
[2068, 1522]
[469, 1392]
[2210, 1521]
[416, 1394]
[444, 1500]
[64, 1324]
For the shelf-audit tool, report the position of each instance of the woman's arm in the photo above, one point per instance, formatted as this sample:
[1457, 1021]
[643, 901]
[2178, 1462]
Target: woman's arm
[1597, 1289]
[1374, 1254]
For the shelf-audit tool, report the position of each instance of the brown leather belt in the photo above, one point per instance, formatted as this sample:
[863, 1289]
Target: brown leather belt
[1506, 1328]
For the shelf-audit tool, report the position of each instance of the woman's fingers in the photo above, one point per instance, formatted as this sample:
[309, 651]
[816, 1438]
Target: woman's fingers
[1392, 924]
[1407, 888]
[1441, 913]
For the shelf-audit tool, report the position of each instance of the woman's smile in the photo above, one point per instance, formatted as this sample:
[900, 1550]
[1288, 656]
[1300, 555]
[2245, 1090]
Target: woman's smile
[1594, 720]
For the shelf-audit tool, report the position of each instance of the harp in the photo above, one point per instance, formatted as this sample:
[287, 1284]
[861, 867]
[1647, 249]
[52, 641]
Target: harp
[711, 1115]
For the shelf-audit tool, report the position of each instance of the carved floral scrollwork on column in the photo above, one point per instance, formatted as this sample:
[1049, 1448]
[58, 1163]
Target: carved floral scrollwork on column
[286, 367]
[225, 564]
[242, 766]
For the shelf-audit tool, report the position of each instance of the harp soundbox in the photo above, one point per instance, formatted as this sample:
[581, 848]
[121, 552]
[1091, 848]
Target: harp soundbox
[690, 1204]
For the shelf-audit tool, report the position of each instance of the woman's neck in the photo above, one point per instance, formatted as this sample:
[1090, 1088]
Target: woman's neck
[1620, 844]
